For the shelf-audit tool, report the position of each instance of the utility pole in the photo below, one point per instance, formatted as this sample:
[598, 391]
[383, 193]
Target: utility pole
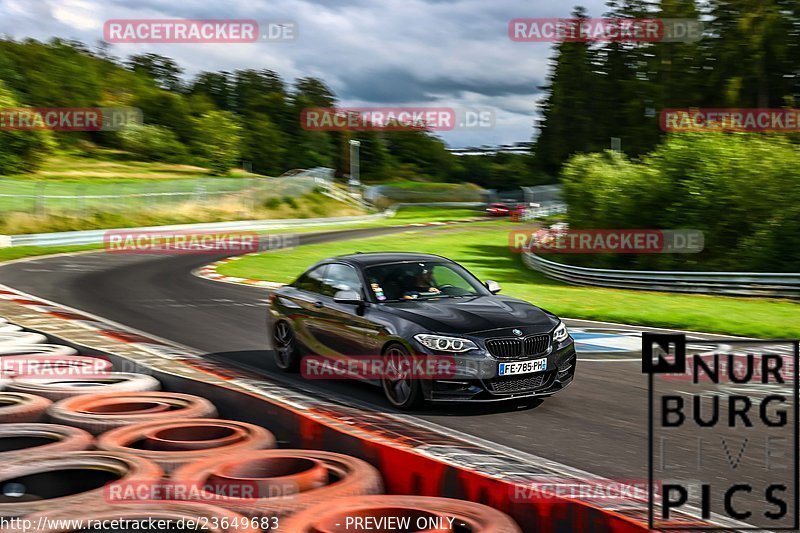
[355, 167]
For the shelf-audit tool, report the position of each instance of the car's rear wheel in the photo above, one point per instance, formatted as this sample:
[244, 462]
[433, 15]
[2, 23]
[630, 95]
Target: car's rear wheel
[287, 354]
[399, 386]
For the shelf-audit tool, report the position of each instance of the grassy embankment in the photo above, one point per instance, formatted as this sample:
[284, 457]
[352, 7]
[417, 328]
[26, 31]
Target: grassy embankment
[484, 250]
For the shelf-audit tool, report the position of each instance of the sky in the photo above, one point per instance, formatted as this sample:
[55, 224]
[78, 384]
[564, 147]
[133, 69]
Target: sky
[372, 53]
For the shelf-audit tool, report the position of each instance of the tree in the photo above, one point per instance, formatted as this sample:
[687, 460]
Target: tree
[263, 144]
[311, 148]
[569, 113]
[163, 70]
[221, 136]
[155, 143]
[20, 151]
[217, 87]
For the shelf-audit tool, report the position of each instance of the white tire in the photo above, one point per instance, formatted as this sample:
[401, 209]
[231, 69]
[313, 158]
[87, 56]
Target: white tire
[56, 350]
[60, 388]
[21, 337]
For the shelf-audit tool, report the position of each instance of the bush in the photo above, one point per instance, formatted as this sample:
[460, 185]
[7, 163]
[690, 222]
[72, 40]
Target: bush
[221, 137]
[21, 151]
[273, 203]
[739, 189]
[153, 143]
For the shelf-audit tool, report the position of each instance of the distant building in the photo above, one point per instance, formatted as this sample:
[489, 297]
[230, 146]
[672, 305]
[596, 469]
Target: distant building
[521, 148]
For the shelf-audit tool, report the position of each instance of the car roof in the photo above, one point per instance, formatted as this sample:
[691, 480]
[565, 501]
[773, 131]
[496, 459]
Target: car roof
[377, 258]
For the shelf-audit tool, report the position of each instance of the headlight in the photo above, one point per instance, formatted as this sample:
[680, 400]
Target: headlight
[561, 333]
[446, 344]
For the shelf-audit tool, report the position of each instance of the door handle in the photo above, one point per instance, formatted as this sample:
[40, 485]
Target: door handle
[319, 305]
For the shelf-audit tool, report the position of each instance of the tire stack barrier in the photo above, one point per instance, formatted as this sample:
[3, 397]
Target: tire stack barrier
[287, 481]
[46, 482]
[17, 407]
[175, 443]
[98, 413]
[24, 440]
[108, 429]
[60, 388]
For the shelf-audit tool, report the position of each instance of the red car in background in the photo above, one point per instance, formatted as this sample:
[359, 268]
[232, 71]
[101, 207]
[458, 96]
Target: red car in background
[498, 210]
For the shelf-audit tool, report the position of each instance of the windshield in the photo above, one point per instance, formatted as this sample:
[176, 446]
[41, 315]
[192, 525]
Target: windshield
[397, 282]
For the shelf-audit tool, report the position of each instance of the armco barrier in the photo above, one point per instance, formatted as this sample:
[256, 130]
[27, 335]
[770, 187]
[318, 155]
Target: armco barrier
[730, 283]
[412, 458]
[67, 238]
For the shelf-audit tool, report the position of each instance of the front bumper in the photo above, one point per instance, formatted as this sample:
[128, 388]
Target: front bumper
[486, 386]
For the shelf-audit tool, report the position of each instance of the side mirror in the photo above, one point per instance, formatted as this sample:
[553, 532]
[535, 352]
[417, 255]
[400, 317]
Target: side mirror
[348, 297]
[493, 286]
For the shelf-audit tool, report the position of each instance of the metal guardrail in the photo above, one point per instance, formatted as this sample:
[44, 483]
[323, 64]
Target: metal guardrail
[728, 283]
[67, 238]
[544, 210]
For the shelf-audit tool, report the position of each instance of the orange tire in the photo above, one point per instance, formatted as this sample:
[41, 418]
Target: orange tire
[98, 413]
[416, 513]
[46, 482]
[279, 482]
[23, 440]
[174, 443]
[59, 388]
[16, 407]
[209, 518]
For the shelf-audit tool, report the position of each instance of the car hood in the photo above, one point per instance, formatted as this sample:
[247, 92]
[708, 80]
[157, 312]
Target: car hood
[474, 315]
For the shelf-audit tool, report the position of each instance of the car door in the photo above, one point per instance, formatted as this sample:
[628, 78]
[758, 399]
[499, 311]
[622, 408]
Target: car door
[344, 328]
[308, 299]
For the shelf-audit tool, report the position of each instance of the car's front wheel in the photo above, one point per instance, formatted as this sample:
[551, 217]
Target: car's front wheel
[399, 385]
[287, 354]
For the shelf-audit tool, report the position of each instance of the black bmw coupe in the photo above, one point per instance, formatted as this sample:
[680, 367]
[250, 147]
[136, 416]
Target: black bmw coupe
[401, 307]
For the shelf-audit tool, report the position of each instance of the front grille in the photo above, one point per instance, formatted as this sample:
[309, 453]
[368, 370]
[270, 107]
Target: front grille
[508, 348]
[511, 384]
[537, 344]
[504, 348]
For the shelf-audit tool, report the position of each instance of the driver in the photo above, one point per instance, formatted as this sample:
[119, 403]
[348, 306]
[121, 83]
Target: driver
[423, 283]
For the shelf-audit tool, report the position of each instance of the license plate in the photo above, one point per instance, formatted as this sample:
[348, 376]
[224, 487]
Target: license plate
[522, 367]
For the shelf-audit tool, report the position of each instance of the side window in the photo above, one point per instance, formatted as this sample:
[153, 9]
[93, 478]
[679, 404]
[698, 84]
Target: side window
[340, 277]
[443, 275]
[311, 281]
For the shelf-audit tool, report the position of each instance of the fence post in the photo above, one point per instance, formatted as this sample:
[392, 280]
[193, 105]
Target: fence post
[80, 197]
[39, 206]
[200, 192]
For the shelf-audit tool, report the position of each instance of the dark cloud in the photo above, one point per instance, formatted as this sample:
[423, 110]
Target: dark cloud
[386, 52]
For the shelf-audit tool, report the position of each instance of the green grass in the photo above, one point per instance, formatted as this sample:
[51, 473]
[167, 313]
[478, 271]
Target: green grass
[430, 186]
[413, 214]
[483, 248]
[18, 252]
[410, 216]
[109, 172]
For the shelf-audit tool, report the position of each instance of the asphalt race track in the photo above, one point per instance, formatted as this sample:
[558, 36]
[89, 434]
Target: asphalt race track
[599, 424]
